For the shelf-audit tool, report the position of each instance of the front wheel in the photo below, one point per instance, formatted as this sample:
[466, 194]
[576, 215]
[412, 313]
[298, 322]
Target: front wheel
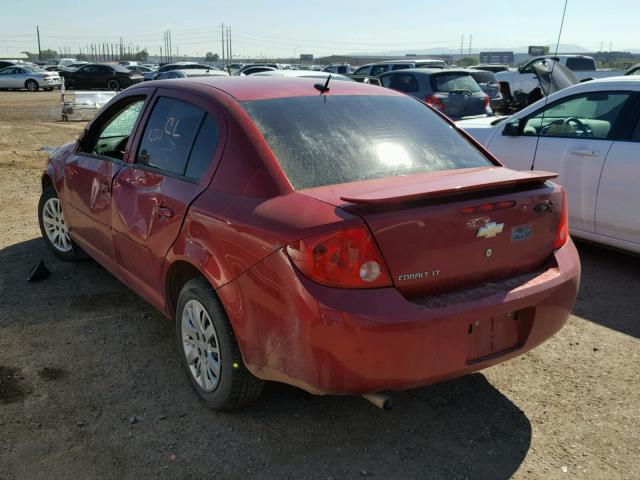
[54, 229]
[113, 85]
[32, 85]
[209, 349]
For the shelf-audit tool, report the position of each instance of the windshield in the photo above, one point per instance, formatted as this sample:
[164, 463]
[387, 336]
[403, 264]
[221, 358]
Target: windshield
[453, 82]
[326, 140]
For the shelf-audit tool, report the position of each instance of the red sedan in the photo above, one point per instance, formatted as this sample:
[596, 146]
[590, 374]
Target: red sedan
[347, 240]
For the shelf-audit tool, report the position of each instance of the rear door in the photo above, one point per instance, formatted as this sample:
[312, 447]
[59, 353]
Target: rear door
[89, 172]
[176, 154]
[575, 135]
[618, 193]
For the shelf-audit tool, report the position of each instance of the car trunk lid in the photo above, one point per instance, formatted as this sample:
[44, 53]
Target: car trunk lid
[443, 231]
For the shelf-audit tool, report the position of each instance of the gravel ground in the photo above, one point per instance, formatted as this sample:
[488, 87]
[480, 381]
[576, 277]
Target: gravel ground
[91, 385]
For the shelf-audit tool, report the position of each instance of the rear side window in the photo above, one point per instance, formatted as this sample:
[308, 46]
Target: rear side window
[454, 82]
[362, 71]
[326, 140]
[378, 69]
[203, 148]
[404, 82]
[169, 135]
[401, 66]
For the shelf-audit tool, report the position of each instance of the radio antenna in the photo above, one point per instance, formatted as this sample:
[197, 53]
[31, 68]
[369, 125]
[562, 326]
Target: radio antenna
[546, 97]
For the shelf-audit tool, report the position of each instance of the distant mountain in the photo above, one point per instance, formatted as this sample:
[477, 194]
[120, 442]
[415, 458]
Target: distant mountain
[563, 48]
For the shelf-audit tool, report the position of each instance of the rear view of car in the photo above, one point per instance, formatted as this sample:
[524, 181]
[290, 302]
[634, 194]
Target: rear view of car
[453, 92]
[489, 85]
[458, 95]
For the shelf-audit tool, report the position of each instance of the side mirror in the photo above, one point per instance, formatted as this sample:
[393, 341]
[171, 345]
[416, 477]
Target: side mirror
[512, 129]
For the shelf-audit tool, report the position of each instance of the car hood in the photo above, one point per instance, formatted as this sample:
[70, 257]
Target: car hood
[480, 122]
[554, 76]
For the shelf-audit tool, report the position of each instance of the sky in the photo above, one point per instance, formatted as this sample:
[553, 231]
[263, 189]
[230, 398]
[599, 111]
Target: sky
[284, 28]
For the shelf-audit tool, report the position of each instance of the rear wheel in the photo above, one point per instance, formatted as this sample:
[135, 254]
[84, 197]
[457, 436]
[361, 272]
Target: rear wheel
[113, 84]
[54, 229]
[209, 349]
[31, 85]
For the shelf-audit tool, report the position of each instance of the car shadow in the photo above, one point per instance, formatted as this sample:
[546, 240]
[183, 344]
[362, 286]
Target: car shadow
[609, 292]
[463, 428]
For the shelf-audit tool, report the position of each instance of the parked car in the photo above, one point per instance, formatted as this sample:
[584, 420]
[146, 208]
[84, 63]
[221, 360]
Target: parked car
[303, 74]
[524, 78]
[453, 92]
[492, 68]
[487, 82]
[292, 241]
[378, 68]
[97, 75]
[256, 67]
[139, 69]
[28, 77]
[178, 66]
[590, 134]
[190, 73]
[7, 63]
[340, 68]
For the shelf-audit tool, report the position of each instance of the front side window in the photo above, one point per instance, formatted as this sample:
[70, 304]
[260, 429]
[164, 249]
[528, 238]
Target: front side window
[585, 116]
[112, 137]
[326, 140]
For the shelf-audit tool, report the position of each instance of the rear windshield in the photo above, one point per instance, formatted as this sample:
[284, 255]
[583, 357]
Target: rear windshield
[327, 139]
[483, 77]
[452, 82]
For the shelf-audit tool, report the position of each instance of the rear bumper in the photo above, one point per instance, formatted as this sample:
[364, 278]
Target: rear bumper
[328, 340]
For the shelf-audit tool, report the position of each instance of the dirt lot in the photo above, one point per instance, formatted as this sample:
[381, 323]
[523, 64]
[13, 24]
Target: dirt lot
[91, 385]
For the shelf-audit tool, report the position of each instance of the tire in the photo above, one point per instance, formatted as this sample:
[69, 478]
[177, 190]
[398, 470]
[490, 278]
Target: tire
[31, 85]
[113, 84]
[73, 253]
[234, 385]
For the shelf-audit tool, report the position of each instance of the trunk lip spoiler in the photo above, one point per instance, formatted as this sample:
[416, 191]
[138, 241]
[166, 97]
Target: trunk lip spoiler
[447, 186]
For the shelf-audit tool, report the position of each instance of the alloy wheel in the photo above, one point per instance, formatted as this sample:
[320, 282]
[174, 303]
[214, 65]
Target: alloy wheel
[55, 226]
[201, 346]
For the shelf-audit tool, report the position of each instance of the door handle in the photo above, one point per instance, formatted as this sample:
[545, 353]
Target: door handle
[585, 152]
[164, 212]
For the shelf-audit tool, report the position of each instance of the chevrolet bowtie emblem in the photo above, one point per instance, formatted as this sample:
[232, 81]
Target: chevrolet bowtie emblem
[490, 230]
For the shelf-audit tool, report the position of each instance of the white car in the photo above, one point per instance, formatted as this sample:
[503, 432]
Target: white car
[191, 73]
[303, 74]
[590, 134]
[29, 77]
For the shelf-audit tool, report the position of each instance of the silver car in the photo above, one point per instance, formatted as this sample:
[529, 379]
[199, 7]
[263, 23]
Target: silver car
[29, 77]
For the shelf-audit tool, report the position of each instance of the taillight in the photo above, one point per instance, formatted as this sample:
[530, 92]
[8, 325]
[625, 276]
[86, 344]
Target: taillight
[563, 226]
[486, 101]
[435, 102]
[346, 258]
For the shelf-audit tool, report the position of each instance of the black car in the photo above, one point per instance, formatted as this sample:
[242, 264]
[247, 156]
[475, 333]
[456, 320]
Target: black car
[96, 75]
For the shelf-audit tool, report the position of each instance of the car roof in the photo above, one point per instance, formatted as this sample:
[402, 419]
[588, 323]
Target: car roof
[267, 87]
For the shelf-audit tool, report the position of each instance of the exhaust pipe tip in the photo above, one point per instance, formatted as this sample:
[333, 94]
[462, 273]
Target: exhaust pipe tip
[380, 400]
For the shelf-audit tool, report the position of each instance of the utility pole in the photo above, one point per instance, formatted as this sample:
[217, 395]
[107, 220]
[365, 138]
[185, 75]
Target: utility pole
[470, 39]
[462, 44]
[222, 53]
[39, 50]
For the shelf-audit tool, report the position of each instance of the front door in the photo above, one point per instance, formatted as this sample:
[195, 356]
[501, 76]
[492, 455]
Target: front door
[572, 137]
[89, 173]
[619, 193]
[152, 193]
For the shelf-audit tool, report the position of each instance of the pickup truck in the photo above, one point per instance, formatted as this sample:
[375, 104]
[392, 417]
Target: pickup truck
[524, 79]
